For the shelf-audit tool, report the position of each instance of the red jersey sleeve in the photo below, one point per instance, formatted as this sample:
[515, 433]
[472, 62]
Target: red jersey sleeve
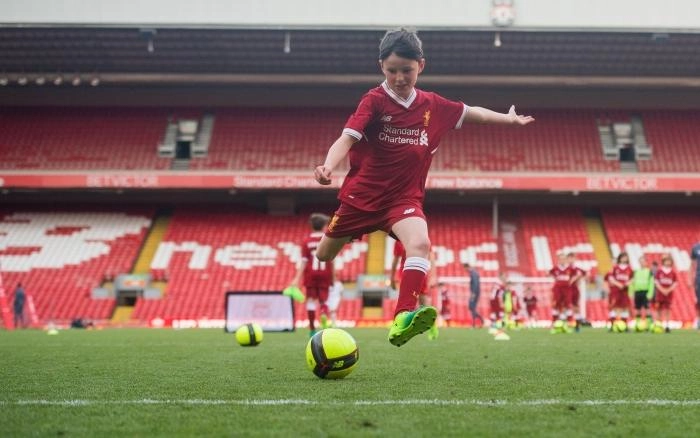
[305, 250]
[363, 116]
[449, 112]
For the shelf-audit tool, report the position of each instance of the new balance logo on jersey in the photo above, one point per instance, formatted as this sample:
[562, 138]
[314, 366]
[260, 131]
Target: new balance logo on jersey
[386, 118]
[409, 210]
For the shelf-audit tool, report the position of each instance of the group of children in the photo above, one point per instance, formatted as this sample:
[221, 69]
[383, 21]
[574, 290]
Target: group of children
[508, 309]
[647, 288]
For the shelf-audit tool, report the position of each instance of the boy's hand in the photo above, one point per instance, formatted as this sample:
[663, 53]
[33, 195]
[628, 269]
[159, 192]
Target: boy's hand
[322, 175]
[518, 119]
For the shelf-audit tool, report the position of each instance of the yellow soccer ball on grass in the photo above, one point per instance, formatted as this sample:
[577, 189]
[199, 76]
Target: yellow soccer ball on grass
[657, 328]
[249, 335]
[332, 354]
[619, 326]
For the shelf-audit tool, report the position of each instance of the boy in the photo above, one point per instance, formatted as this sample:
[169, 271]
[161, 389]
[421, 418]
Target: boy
[474, 294]
[575, 294]
[666, 281]
[641, 290]
[530, 307]
[496, 310]
[318, 276]
[391, 139]
[561, 289]
[445, 304]
[619, 279]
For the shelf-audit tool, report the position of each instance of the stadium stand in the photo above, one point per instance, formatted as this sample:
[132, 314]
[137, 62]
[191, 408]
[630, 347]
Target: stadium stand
[560, 141]
[204, 254]
[641, 231]
[81, 139]
[673, 136]
[61, 256]
[251, 139]
[271, 139]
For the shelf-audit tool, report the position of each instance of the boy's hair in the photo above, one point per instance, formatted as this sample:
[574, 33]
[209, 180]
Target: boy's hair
[318, 221]
[403, 42]
[620, 256]
[665, 258]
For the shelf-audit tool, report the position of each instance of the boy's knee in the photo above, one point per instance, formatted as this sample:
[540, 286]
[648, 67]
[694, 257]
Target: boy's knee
[420, 246]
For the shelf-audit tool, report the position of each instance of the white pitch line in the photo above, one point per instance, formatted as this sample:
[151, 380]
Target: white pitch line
[302, 402]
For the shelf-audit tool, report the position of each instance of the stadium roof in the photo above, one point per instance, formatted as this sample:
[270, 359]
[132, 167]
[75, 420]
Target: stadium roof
[132, 55]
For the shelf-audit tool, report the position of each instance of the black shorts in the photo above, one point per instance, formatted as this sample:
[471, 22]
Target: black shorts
[641, 300]
[697, 292]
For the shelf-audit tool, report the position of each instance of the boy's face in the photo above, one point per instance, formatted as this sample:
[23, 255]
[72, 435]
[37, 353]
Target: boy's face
[401, 73]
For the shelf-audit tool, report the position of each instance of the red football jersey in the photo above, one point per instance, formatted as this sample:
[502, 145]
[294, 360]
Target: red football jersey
[622, 274]
[562, 275]
[316, 273]
[496, 301]
[396, 141]
[530, 303]
[577, 272]
[666, 278]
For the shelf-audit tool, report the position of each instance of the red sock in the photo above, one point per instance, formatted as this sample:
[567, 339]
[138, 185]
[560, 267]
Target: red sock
[411, 282]
[324, 309]
[312, 319]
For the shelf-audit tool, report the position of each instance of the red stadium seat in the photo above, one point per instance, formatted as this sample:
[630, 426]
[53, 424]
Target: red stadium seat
[63, 256]
[82, 139]
[244, 251]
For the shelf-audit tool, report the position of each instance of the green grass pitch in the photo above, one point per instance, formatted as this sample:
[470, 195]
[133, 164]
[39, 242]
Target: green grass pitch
[134, 382]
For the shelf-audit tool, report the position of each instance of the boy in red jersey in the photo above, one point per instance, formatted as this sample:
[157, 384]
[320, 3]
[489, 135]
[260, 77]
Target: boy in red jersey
[575, 294]
[619, 279]
[391, 139]
[530, 301]
[666, 281]
[496, 310]
[445, 303]
[317, 276]
[561, 290]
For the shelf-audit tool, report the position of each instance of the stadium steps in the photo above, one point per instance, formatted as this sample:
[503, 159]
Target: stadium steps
[375, 253]
[599, 240]
[150, 245]
[122, 314]
[375, 266]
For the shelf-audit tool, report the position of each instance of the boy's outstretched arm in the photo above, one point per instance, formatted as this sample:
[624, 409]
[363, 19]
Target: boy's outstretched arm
[336, 153]
[477, 114]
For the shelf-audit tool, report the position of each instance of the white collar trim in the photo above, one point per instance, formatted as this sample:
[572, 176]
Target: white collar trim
[398, 99]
